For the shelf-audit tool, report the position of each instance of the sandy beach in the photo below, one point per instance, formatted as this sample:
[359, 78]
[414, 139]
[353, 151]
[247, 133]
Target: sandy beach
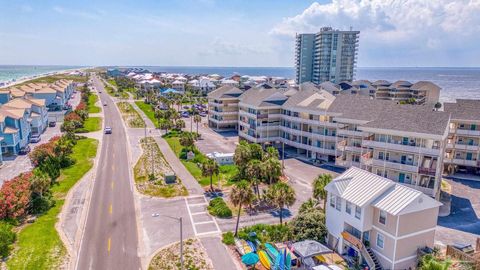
[28, 78]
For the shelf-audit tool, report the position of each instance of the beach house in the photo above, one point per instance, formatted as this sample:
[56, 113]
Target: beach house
[14, 129]
[36, 109]
[377, 221]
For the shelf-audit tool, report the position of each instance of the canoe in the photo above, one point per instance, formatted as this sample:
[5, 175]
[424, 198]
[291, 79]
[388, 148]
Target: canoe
[239, 246]
[272, 252]
[252, 246]
[264, 259]
[246, 247]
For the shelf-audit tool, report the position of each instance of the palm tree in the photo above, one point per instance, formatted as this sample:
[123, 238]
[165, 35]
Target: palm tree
[319, 185]
[271, 152]
[241, 157]
[273, 169]
[429, 262]
[209, 168]
[197, 119]
[241, 195]
[187, 140]
[255, 172]
[281, 195]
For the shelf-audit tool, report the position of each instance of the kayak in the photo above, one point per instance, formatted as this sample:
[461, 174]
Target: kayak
[272, 252]
[252, 246]
[239, 246]
[264, 259]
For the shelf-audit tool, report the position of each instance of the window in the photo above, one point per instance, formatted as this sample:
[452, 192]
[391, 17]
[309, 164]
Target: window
[348, 207]
[332, 200]
[338, 203]
[383, 217]
[380, 240]
[358, 212]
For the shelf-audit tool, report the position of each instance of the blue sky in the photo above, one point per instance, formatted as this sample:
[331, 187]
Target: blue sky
[234, 32]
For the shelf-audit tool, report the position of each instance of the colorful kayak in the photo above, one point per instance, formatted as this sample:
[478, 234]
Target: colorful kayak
[264, 259]
[242, 246]
[288, 261]
[252, 246]
[272, 251]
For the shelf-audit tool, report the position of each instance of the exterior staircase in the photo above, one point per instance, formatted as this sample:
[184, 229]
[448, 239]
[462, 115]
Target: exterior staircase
[374, 259]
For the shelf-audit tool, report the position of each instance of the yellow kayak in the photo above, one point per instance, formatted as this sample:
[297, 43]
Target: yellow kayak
[264, 259]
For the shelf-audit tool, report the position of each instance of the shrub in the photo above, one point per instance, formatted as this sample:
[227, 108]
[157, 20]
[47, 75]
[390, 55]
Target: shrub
[15, 196]
[267, 233]
[228, 238]
[7, 237]
[217, 207]
[309, 224]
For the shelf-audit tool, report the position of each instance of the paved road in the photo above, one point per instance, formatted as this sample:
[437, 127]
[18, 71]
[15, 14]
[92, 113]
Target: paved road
[110, 239]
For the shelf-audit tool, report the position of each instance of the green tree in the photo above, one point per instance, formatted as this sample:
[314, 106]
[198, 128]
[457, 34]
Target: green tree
[429, 262]
[308, 205]
[197, 119]
[241, 157]
[7, 237]
[179, 124]
[271, 152]
[165, 124]
[309, 224]
[256, 151]
[187, 140]
[273, 170]
[210, 168]
[241, 195]
[319, 191]
[281, 195]
[255, 172]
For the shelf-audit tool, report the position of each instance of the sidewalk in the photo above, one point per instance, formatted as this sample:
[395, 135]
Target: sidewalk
[223, 260]
[188, 180]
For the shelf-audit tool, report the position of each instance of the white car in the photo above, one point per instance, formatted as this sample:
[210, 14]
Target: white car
[108, 130]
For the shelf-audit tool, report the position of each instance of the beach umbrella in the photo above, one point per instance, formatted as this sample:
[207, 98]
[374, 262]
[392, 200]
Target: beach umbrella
[250, 258]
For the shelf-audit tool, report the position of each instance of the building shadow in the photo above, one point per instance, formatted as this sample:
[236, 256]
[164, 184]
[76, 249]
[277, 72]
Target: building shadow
[286, 213]
[462, 216]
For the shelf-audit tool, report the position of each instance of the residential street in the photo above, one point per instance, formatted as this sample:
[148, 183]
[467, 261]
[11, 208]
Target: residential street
[110, 237]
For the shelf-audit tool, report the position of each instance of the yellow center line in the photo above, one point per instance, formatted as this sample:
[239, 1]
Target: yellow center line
[109, 245]
[110, 209]
[112, 184]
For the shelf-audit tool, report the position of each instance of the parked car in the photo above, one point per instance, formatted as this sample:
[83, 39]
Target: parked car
[104, 104]
[203, 114]
[185, 114]
[35, 138]
[52, 123]
[25, 150]
[108, 130]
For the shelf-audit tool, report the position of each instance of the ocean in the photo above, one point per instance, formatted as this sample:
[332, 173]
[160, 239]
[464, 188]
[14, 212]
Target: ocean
[455, 82]
[11, 72]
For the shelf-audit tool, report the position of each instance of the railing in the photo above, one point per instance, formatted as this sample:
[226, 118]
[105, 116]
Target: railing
[472, 259]
[401, 147]
[427, 171]
[358, 244]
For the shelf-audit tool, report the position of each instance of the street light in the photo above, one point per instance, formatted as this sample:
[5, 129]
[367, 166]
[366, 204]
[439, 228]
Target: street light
[181, 238]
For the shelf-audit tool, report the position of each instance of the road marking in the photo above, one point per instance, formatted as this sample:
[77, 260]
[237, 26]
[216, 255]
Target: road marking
[113, 183]
[110, 209]
[109, 245]
[198, 204]
[204, 222]
[113, 167]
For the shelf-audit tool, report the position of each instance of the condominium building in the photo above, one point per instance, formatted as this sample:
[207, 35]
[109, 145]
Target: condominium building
[463, 145]
[329, 55]
[378, 221]
[421, 92]
[223, 108]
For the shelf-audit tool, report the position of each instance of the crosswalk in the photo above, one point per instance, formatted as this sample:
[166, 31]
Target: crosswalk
[203, 223]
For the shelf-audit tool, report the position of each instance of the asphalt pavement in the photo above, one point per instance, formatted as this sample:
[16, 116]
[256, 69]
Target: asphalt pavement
[110, 239]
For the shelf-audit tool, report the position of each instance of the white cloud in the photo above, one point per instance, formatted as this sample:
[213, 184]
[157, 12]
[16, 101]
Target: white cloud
[219, 46]
[91, 14]
[410, 27]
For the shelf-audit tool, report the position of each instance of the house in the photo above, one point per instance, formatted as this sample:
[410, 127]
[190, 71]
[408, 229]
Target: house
[221, 158]
[229, 82]
[463, 144]
[5, 96]
[223, 108]
[14, 129]
[203, 85]
[178, 85]
[36, 109]
[378, 221]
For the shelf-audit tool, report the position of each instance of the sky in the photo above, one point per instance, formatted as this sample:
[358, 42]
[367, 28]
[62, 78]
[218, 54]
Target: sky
[258, 33]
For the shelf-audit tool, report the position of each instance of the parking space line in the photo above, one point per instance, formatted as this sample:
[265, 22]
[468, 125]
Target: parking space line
[191, 218]
[204, 222]
[198, 213]
[197, 204]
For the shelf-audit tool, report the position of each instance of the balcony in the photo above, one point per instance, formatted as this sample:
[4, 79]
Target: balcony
[468, 132]
[257, 139]
[229, 121]
[213, 103]
[460, 146]
[308, 134]
[223, 112]
[463, 162]
[425, 190]
[351, 133]
[427, 171]
[401, 147]
[309, 147]
[310, 121]
[394, 165]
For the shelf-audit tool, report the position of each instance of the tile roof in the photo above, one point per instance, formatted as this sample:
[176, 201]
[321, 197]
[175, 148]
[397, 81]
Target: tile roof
[18, 103]
[464, 109]
[46, 90]
[15, 113]
[310, 99]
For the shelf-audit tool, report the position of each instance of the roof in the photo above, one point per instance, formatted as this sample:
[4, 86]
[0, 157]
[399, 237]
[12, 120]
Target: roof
[46, 90]
[17, 92]
[411, 118]
[360, 108]
[381, 83]
[309, 248]
[12, 112]
[18, 103]
[310, 99]
[464, 109]
[226, 91]
[425, 85]
[10, 130]
[399, 84]
[37, 101]
[358, 186]
[362, 188]
[26, 88]
[263, 97]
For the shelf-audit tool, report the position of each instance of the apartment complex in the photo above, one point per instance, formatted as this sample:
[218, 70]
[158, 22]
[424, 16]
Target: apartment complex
[421, 92]
[223, 107]
[329, 55]
[463, 145]
[379, 221]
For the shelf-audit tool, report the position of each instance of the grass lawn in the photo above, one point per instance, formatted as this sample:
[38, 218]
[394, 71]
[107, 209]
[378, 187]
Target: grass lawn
[226, 171]
[148, 110]
[54, 78]
[92, 108]
[93, 124]
[131, 116]
[38, 245]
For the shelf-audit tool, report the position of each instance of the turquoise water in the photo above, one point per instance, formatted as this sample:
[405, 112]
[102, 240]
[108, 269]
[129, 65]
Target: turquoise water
[8, 73]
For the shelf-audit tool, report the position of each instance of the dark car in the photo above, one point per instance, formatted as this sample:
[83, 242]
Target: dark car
[203, 114]
[35, 138]
[25, 150]
[185, 114]
[52, 123]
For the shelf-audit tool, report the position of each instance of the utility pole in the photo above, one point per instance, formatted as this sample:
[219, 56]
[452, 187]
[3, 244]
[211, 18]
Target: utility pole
[181, 244]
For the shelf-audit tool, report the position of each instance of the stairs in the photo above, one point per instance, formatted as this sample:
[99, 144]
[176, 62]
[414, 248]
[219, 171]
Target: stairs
[378, 266]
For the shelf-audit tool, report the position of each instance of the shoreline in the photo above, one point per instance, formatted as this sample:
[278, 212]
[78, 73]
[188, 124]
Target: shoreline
[13, 82]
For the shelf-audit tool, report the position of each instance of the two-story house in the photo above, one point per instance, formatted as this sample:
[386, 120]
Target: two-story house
[36, 109]
[14, 129]
[378, 221]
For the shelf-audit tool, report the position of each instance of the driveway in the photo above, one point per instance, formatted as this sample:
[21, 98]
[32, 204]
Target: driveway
[463, 224]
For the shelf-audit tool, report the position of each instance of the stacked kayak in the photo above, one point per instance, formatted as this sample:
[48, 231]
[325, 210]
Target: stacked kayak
[281, 260]
[264, 259]
[242, 246]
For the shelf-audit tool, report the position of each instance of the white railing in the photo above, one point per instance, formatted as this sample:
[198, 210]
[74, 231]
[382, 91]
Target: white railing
[223, 112]
[223, 121]
[401, 147]
[311, 122]
[464, 162]
[308, 134]
[394, 165]
[468, 132]
[310, 147]
[351, 133]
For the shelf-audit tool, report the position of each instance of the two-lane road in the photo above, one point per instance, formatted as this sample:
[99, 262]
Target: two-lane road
[110, 238]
